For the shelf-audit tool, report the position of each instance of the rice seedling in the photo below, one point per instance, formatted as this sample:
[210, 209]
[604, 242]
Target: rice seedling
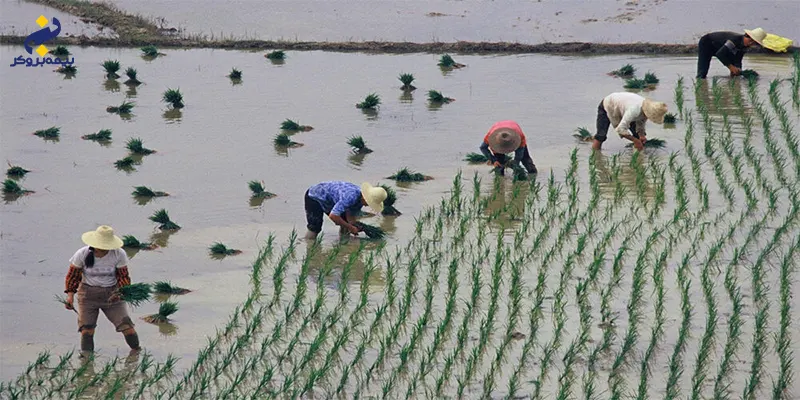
[406, 175]
[165, 310]
[749, 74]
[235, 74]
[583, 134]
[406, 79]
[150, 51]
[162, 287]
[284, 141]
[69, 70]
[372, 232]
[257, 188]
[103, 135]
[111, 67]
[626, 70]
[388, 203]
[650, 78]
[125, 108]
[144, 191]
[63, 300]
[292, 126]
[131, 242]
[276, 55]
[11, 187]
[437, 97]
[669, 118]
[370, 102]
[358, 145]
[60, 51]
[220, 249]
[125, 163]
[15, 171]
[654, 143]
[131, 73]
[446, 61]
[161, 217]
[475, 158]
[634, 83]
[49, 133]
[134, 294]
[135, 146]
[174, 98]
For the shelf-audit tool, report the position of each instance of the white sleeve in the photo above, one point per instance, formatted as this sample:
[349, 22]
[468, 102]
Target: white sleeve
[122, 258]
[78, 257]
[631, 113]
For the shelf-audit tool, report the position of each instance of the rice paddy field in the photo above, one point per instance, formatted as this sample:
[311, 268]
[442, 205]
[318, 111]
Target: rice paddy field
[668, 273]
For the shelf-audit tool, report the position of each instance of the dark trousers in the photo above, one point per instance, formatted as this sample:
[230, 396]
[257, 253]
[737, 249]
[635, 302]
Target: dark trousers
[706, 52]
[603, 123]
[526, 160]
[314, 214]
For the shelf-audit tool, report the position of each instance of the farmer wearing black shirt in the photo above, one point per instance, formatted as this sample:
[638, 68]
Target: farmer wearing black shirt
[728, 47]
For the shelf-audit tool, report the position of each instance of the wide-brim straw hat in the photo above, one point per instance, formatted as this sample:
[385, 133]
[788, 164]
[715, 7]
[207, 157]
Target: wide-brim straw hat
[504, 140]
[374, 196]
[654, 110]
[757, 34]
[102, 238]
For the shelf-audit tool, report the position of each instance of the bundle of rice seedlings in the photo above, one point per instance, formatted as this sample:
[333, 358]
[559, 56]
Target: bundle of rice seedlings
[388, 203]
[276, 55]
[446, 61]
[405, 175]
[135, 294]
[67, 69]
[372, 232]
[135, 146]
[437, 97]
[258, 190]
[111, 67]
[749, 74]
[651, 143]
[63, 300]
[650, 78]
[635, 84]
[627, 70]
[283, 140]
[162, 287]
[173, 97]
[131, 242]
[583, 134]
[103, 135]
[161, 217]
[125, 108]
[292, 126]
[370, 102]
[520, 174]
[144, 191]
[235, 74]
[406, 79]
[670, 118]
[220, 249]
[13, 188]
[60, 51]
[166, 309]
[151, 51]
[49, 133]
[358, 145]
[475, 158]
[130, 72]
[16, 171]
[125, 163]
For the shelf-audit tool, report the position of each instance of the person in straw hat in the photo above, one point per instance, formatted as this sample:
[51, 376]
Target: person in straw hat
[628, 113]
[506, 137]
[341, 201]
[95, 272]
[728, 48]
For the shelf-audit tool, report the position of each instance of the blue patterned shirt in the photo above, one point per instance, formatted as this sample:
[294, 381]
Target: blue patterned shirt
[336, 197]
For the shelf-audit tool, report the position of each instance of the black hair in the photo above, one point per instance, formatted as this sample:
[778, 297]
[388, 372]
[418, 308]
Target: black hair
[89, 260]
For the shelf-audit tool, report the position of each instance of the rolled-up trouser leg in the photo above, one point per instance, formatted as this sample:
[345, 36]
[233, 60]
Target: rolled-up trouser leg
[87, 342]
[602, 124]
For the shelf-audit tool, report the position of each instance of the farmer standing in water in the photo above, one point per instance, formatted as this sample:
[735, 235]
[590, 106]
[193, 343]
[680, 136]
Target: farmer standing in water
[340, 201]
[628, 113]
[506, 137]
[728, 48]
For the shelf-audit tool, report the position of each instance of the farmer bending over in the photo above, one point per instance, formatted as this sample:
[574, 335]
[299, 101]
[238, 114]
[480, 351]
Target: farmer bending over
[628, 112]
[727, 47]
[506, 137]
[341, 201]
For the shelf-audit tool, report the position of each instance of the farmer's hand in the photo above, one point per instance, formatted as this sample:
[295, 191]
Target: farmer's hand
[639, 146]
[114, 298]
[735, 70]
[643, 139]
[497, 164]
[70, 304]
[354, 229]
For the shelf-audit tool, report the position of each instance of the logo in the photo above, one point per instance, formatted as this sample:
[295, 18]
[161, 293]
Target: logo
[39, 38]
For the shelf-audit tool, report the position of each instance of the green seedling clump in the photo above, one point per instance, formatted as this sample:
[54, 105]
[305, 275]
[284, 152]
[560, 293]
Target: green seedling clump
[370, 102]
[67, 69]
[220, 249]
[125, 163]
[292, 126]
[358, 145]
[437, 97]
[583, 134]
[446, 61]
[60, 51]
[125, 108]
[235, 74]
[162, 287]
[16, 171]
[130, 241]
[283, 140]
[49, 133]
[258, 190]
[135, 146]
[174, 97]
[405, 175]
[151, 51]
[276, 55]
[388, 203]
[130, 72]
[520, 174]
[162, 217]
[635, 84]
[372, 232]
[13, 188]
[650, 78]
[63, 300]
[144, 191]
[627, 70]
[135, 294]
[103, 135]
[475, 158]
[651, 143]
[406, 79]
[166, 309]
[111, 67]
[749, 74]
[670, 118]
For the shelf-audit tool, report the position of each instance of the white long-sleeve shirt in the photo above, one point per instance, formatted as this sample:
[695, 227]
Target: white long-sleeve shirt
[622, 109]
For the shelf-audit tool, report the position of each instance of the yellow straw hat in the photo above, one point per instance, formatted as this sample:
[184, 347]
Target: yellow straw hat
[654, 110]
[102, 238]
[504, 141]
[757, 34]
[374, 196]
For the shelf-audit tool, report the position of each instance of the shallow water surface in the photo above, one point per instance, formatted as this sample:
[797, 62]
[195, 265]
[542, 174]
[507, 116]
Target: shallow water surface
[18, 17]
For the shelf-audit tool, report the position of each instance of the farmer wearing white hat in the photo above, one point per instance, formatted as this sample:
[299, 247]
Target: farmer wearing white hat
[96, 271]
[627, 113]
[728, 48]
[506, 137]
[341, 201]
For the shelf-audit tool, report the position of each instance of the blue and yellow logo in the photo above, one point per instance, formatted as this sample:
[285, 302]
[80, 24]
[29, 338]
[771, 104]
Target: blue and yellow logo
[39, 38]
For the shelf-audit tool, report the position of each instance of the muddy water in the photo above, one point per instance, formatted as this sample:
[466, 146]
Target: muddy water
[17, 18]
[656, 21]
[207, 152]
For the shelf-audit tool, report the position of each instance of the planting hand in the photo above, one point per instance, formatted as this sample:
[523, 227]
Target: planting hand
[734, 70]
[354, 230]
[114, 298]
[70, 303]
[497, 164]
[639, 146]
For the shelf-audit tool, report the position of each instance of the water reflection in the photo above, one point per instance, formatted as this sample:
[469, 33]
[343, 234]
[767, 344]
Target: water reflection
[277, 62]
[370, 113]
[69, 75]
[356, 158]
[172, 115]
[167, 329]
[406, 97]
[9, 198]
[506, 202]
[131, 92]
[111, 85]
[161, 238]
[434, 105]
[622, 183]
[235, 82]
[339, 255]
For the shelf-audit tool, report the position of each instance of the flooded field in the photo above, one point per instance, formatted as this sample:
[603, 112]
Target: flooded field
[17, 18]
[664, 274]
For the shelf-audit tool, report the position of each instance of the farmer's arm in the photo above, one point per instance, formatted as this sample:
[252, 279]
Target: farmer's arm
[71, 283]
[340, 209]
[518, 154]
[631, 113]
[640, 124]
[123, 278]
[487, 153]
[730, 57]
